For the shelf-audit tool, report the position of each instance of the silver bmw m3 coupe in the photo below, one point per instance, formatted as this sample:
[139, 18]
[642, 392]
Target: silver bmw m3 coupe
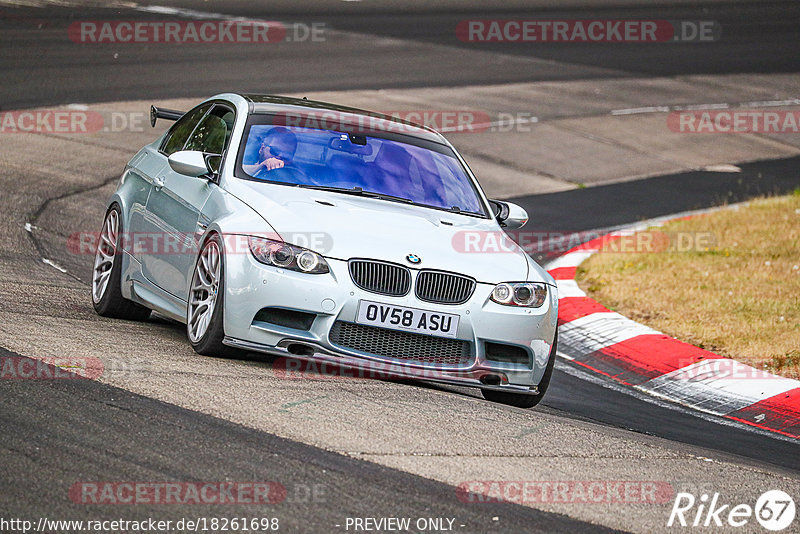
[320, 232]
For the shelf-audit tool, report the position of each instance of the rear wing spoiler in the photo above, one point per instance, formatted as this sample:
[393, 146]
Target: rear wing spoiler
[161, 113]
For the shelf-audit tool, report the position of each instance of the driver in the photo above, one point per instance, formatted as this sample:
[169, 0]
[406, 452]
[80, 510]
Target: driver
[276, 151]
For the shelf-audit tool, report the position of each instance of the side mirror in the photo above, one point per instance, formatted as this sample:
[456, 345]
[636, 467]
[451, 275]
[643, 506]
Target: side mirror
[189, 163]
[509, 215]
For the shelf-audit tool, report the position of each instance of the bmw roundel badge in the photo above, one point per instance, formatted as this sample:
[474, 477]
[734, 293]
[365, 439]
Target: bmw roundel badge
[413, 258]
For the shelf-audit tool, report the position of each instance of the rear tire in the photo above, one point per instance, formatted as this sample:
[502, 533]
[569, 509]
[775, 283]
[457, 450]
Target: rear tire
[521, 400]
[107, 273]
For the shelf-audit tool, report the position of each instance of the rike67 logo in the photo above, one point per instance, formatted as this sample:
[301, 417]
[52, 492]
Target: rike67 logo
[774, 510]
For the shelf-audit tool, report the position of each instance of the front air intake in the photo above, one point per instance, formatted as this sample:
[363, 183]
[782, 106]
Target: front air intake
[401, 345]
[501, 352]
[287, 318]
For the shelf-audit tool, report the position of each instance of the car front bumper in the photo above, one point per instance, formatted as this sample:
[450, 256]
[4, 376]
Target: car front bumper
[251, 286]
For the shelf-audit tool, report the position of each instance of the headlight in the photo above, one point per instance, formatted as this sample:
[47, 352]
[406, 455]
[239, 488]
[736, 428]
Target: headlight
[526, 294]
[280, 254]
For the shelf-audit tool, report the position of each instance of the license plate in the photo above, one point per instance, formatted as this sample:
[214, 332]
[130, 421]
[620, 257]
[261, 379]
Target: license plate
[407, 319]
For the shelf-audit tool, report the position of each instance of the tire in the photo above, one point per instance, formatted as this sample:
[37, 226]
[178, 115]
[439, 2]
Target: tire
[207, 288]
[106, 285]
[521, 400]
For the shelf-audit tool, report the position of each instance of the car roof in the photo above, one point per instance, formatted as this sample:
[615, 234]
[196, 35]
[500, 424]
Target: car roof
[260, 103]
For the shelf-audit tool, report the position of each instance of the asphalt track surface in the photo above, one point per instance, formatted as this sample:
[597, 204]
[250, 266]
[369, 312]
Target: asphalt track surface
[115, 434]
[612, 205]
[52, 429]
[758, 37]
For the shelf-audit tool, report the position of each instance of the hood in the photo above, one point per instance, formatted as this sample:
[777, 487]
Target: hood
[345, 226]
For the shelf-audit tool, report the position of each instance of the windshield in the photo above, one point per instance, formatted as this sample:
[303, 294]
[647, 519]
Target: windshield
[359, 164]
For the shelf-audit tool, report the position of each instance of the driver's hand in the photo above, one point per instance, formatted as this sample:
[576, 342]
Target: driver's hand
[272, 163]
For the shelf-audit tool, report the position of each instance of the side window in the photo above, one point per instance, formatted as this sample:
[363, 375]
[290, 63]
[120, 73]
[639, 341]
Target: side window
[181, 130]
[212, 134]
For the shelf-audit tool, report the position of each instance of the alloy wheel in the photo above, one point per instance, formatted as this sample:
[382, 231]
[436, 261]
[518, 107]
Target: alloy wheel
[104, 257]
[203, 294]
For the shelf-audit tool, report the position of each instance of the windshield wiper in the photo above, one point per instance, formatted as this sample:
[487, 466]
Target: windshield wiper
[357, 191]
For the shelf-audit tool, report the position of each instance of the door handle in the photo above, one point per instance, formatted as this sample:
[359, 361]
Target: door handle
[158, 183]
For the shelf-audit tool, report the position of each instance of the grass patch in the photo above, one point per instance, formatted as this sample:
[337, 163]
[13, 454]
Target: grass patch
[728, 282]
